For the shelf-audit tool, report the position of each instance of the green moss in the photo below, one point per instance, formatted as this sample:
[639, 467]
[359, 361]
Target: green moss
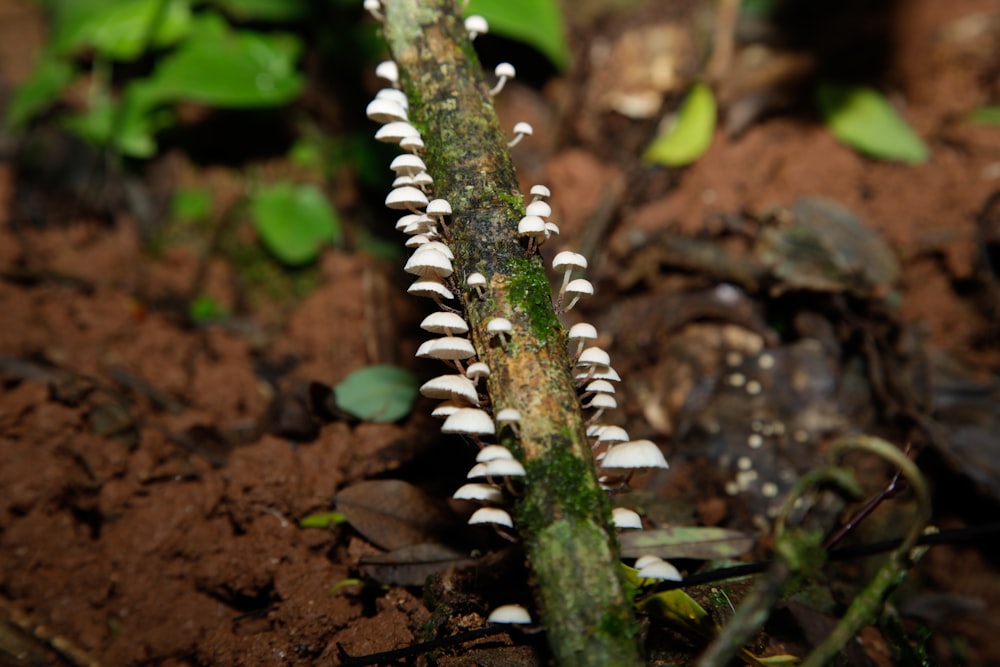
[529, 292]
[570, 491]
[514, 202]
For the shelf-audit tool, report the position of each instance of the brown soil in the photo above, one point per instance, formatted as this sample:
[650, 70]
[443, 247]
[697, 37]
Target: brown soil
[148, 511]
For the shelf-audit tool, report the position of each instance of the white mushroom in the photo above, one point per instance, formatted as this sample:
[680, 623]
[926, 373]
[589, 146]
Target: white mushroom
[450, 387]
[576, 289]
[634, 455]
[469, 421]
[622, 517]
[503, 71]
[406, 198]
[491, 515]
[510, 613]
[476, 25]
[446, 323]
[384, 110]
[521, 130]
[485, 493]
[500, 326]
[395, 132]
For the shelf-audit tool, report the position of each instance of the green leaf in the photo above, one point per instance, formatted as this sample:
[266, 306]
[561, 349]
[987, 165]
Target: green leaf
[132, 137]
[322, 520]
[294, 221]
[271, 11]
[989, 115]
[118, 29]
[39, 91]
[680, 609]
[220, 67]
[690, 134]
[379, 393]
[191, 204]
[863, 119]
[537, 23]
[206, 309]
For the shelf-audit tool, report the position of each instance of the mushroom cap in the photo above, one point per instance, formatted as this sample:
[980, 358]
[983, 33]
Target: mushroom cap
[583, 331]
[539, 208]
[600, 386]
[508, 416]
[428, 262]
[659, 569]
[524, 128]
[510, 613]
[478, 470]
[394, 94]
[407, 163]
[430, 288]
[504, 468]
[388, 70]
[602, 401]
[446, 408]
[450, 386]
[612, 434]
[477, 370]
[402, 180]
[447, 348]
[492, 453]
[486, 493]
[444, 322]
[634, 455]
[593, 356]
[477, 24]
[579, 287]
[471, 421]
[408, 219]
[405, 198]
[499, 325]
[438, 207]
[423, 179]
[551, 228]
[568, 261]
[647, 559]
[604, 373]
[476, 279]
[531, 225]
[414, 143]
[540, 191]
[385, 110]
[396, 131]
[416, 241]
[440, 247]
[505, 69]
[492, 515]
[622, 517]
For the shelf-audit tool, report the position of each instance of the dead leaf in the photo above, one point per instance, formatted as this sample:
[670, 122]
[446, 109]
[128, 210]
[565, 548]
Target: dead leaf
[703, 543]
[411, 565]
[391, 513]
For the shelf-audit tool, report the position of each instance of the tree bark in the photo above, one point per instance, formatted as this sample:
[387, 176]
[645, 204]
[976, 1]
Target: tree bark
[563, 516]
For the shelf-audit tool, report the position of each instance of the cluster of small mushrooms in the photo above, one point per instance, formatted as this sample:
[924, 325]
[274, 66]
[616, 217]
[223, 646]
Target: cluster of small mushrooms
[465, 405]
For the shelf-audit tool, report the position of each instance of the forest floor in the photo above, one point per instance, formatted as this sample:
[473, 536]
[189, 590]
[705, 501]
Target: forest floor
[153, 470]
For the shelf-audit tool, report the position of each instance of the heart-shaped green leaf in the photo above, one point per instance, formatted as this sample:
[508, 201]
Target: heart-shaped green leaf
[220, 67]
[294, 221]
[864, 120]
[379, 393]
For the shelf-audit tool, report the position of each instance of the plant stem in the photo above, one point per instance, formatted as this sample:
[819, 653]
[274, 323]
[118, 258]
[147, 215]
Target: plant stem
[564, 516]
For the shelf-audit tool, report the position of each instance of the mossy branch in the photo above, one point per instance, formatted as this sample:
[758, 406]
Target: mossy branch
[564, 516]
